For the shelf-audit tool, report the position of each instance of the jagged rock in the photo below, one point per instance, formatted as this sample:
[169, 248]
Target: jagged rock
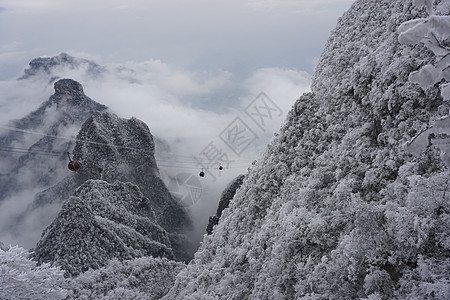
[110, 148]
[70, 103]
[113, 149]
[102, 221]
[224, 201]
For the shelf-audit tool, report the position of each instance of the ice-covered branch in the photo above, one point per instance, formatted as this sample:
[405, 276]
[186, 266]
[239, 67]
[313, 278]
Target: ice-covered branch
[433, 32]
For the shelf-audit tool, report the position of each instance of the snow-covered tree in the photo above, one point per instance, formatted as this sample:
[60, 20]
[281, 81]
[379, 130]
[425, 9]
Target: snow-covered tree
[336, 208]
[433, 32]
[140, 278]
[21, 278]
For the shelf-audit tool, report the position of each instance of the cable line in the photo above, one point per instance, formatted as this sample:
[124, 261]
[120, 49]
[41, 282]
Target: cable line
[31, 152]
[67, 138]
[163, 162]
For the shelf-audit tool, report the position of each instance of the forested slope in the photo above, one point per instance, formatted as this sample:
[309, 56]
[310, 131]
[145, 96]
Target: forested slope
[337, 208]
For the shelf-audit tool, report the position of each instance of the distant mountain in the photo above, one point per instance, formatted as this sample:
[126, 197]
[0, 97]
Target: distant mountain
[337, 207]
[51, 66]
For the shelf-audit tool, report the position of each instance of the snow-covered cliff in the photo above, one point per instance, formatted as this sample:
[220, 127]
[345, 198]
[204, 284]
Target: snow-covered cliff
[337, 208]
[100, 222]
[111, 150]
[224, 202]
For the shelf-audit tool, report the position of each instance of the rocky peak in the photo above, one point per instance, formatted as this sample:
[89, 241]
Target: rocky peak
[61, 115]
[69, 95]
[121, 149]
[113, 149]
[69, 87]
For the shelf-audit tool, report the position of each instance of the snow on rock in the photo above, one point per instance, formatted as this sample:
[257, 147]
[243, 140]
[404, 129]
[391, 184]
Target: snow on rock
[111, 148]
[224, 201]
[336, 207]
[100, 222]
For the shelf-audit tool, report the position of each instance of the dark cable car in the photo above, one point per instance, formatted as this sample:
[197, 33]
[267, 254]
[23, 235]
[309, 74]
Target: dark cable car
[202, 174]
[73, 165]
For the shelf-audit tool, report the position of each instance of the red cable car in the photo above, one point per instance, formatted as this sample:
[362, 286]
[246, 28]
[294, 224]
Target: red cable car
[73, 165]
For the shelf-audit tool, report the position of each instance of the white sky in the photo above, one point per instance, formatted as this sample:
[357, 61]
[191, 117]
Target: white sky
[236, 36]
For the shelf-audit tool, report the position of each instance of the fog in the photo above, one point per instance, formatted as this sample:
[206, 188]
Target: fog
[187, 112]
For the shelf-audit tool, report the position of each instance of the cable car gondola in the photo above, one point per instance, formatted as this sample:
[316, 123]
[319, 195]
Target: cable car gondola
[73, 165]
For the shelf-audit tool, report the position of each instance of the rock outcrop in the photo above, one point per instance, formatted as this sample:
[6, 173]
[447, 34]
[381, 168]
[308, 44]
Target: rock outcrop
[117, 195]
[101, 222]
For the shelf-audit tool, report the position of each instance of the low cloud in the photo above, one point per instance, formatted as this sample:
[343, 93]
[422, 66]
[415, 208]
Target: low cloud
[185, 109]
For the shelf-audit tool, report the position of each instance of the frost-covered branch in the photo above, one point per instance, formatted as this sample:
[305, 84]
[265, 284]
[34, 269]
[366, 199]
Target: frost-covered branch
[20, 278]
[433, 32]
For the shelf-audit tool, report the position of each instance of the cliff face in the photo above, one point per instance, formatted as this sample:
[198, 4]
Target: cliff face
[100, 222]
[114, 149]
[116, 205]
[336, 207]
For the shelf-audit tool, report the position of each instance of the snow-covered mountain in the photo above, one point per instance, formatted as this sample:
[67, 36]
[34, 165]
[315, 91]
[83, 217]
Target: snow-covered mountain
[50, 67]
[337, 207]
[32, 153]
[351, 200]
[112, 150]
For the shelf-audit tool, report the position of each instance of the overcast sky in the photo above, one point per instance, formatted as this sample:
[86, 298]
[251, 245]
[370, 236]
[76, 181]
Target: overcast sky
[186, 68]
[232, 35]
